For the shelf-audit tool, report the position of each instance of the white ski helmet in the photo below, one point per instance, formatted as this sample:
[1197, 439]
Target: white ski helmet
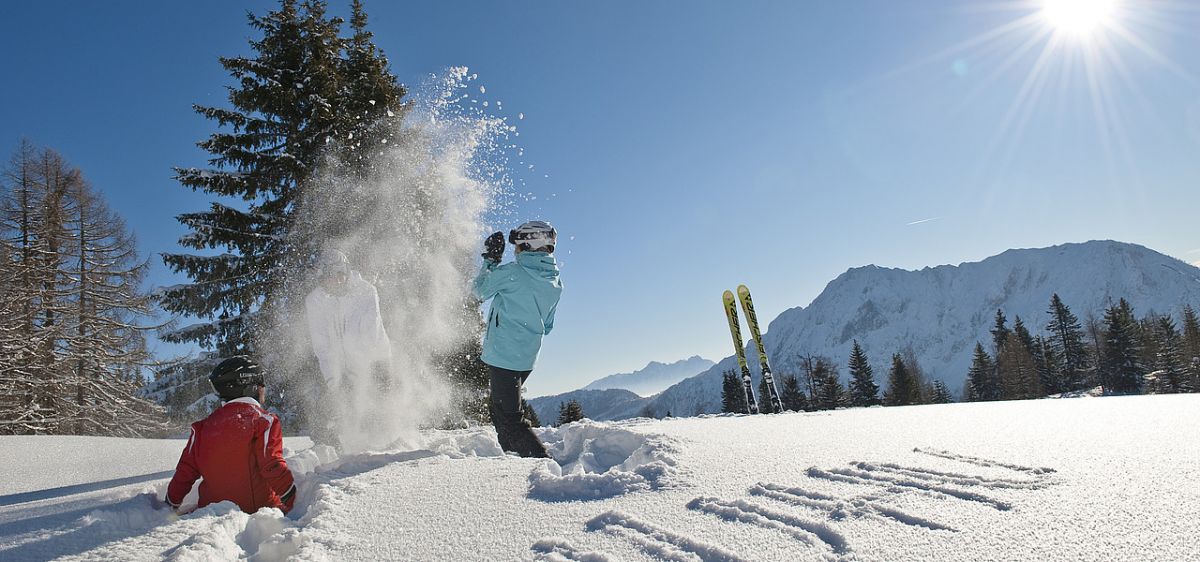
[533, 235]
[332, 262]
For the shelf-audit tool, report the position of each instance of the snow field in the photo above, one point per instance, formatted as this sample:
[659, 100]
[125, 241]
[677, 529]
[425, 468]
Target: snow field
[1084, 479]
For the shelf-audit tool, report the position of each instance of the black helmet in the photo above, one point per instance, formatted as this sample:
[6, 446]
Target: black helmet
[236, 377]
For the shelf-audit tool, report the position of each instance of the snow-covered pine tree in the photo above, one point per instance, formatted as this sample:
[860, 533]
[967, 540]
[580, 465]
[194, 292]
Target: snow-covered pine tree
[284, 107]
[304, 98]
[903, 389]
[830, 392]
[863, 390]
[1036, 353]
[940, 394]
[1169, 362]
[733, 395]
[917, 373]
[981, 377]
[1066, 339]
[570, 411]
[1191, 347]
[1049, 366]
[1119, 367]
[791, 396]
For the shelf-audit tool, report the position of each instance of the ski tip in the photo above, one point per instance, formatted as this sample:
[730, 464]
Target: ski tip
[728, 295]
[743, 290]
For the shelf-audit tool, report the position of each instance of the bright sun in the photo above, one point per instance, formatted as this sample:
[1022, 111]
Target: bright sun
[1078, 17]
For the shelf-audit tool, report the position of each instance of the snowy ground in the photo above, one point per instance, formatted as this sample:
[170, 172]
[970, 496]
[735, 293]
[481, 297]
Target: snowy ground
[1081, 479]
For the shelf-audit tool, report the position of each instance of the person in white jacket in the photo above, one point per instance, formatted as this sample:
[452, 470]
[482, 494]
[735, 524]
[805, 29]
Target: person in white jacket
[350, 342]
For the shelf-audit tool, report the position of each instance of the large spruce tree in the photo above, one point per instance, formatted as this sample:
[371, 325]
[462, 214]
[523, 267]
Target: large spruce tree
[791, 396]
[305, 100]
[733, 393]
[304, 92]
[1169, 364]
[863, 390]
[903, 389]
[1191, 347]
[1066, 339]
[830, 393]
[981, 378]
[1120, 368]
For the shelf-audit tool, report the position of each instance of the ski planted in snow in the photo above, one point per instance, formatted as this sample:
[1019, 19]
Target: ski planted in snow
[735, 329]
[752, 321]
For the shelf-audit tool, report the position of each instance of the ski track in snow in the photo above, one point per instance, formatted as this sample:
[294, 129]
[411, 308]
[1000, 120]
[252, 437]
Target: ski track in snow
[838, 509]
[896, 479]
[559, 550]
[950, 478]
[982, 462]
[660, 542]
[803, 530]
[862, 477]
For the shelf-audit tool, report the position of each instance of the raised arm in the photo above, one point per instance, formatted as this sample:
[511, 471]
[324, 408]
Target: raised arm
[186, 473]
[489, 281]
[270, 461]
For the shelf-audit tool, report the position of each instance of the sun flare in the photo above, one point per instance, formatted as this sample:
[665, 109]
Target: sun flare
[1078, 17]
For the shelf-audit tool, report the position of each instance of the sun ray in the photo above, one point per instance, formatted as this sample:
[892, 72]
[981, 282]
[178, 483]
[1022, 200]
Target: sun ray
[993, 35]
[1028, 87]
[1010, 61]
[1154, 54]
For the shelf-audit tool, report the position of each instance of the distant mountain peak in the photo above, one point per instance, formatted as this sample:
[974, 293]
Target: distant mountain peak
[654, 377]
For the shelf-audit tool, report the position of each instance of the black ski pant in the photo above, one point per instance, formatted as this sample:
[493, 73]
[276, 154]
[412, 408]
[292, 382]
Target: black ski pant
[512, 429]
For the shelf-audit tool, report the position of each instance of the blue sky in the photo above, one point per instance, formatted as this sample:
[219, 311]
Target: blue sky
[694, 146]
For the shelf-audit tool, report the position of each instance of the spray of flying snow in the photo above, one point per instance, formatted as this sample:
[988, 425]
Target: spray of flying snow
[411, 220]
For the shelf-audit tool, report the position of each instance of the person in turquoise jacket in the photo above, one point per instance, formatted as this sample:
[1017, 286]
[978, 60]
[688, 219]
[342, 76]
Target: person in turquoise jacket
[524, 296]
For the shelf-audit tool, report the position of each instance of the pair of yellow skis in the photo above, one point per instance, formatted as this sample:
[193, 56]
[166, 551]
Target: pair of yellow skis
[735, 329]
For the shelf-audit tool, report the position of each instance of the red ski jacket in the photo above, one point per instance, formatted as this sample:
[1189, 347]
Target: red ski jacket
[238, 451]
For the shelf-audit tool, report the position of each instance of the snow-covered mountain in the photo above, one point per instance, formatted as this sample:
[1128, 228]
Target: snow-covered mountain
[942, 311]
[655, 377]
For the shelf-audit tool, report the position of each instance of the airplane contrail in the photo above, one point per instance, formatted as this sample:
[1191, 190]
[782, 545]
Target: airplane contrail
[922, 221]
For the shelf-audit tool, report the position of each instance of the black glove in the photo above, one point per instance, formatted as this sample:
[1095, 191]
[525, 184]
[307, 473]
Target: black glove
[494, 247]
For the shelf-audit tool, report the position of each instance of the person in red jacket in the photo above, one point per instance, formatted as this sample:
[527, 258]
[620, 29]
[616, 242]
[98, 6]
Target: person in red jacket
[238, 449]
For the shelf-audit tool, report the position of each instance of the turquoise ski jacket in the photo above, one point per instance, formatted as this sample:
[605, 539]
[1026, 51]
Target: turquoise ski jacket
[524, 297]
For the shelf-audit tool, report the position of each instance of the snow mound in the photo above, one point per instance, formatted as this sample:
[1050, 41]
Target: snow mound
[595, 461]
[466, 443]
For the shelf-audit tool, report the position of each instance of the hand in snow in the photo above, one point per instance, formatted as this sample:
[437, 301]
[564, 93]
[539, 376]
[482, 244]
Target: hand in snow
[494, 247]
